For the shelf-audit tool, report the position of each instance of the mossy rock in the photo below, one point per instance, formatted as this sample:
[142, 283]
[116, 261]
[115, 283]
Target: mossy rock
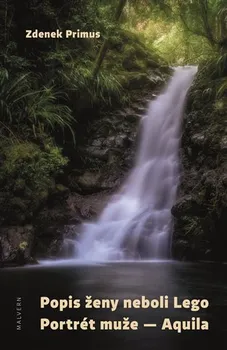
[27, 175]
[15, 244]
[129, 53]
[136, 81]
[23, 245]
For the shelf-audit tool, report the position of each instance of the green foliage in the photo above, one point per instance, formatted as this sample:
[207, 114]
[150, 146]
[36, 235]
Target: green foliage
[29, 110]
[45, 86]
[183, 32]
[180, 47]
[27, 178]
[205, 18]
[28, 167]
[78, 80]
[209, 90]
[23, 245]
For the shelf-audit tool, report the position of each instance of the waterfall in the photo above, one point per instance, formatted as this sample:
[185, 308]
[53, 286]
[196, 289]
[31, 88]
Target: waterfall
[137, 221]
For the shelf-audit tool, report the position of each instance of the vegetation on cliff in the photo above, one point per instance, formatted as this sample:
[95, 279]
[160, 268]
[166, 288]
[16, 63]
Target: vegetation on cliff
[201, 210]
[51, 89]
[53, 92]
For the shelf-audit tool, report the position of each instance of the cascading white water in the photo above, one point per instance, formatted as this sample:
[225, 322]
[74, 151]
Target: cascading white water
[137, 222]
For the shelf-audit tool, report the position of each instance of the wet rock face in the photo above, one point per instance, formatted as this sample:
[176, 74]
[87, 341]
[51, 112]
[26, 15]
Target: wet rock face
[188, 206]
[200, 222]
[108, 151]
[15, 245]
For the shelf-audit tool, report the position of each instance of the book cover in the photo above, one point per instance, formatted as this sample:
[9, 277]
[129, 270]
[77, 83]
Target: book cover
[113, 181]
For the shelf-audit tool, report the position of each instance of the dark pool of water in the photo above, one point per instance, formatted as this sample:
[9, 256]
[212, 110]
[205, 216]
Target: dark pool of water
[117, 281]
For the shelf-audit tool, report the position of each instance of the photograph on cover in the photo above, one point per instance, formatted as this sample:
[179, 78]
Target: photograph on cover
[113, 173]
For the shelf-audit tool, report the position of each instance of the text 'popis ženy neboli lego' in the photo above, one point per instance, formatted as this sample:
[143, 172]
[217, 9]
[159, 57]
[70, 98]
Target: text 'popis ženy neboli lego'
[124, 322]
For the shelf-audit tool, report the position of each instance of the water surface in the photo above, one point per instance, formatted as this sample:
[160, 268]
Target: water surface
[120, 281]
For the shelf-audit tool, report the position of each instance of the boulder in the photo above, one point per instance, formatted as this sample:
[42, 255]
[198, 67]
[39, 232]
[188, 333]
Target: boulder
[90, 180]
[189, 250]
[96, 152]
[15, 245]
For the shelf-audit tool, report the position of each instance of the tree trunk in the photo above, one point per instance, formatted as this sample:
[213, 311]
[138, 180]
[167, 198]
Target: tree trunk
[105, 45]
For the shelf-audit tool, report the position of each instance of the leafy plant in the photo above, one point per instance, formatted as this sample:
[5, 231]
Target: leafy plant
[27, 166]
[31, 110]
